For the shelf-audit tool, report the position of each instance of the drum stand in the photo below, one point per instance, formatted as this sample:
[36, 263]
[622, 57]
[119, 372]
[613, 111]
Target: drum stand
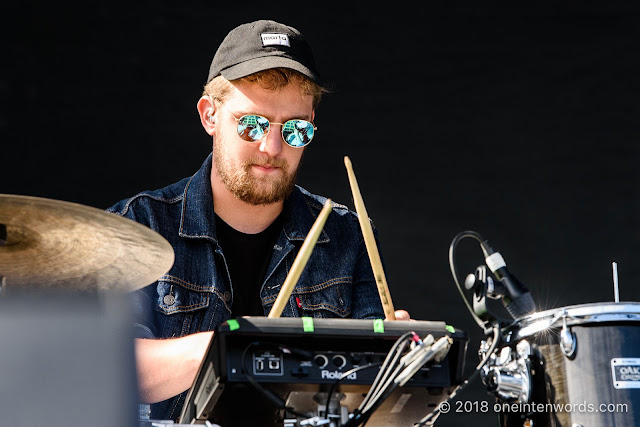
[507, 373]
[337, 414]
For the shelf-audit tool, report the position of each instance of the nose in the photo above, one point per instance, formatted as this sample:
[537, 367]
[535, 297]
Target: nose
[271, 144]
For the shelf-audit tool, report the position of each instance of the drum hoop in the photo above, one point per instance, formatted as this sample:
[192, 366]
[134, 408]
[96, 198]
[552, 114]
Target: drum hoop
[574, 315]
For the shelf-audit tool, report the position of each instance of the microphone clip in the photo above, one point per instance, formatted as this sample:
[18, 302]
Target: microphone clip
[483, 286]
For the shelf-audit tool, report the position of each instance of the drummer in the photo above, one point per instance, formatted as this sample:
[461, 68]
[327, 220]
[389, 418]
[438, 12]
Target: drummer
[236, 224]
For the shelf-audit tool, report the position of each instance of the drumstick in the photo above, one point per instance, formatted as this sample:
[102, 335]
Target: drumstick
[300, 261]
[370, 242]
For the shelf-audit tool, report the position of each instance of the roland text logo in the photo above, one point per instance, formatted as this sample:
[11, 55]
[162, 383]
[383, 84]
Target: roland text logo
[334, 375]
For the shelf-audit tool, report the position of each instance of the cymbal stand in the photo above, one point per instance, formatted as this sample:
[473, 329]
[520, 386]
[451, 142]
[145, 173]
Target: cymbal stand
[334, 416]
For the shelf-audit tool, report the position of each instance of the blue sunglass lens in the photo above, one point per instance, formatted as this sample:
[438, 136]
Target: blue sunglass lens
[297, 133]
[252, 128]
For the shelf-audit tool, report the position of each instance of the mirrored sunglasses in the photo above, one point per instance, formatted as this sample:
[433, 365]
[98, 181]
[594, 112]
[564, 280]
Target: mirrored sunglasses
[295, 132]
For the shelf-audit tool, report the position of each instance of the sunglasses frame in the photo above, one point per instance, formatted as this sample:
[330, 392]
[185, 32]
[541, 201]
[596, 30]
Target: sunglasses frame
[269, 129]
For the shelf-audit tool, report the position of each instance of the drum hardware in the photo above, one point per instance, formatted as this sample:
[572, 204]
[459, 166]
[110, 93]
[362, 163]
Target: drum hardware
[514, 296]
[567, 338]
[337, 415]
[489, 347]
[616, 290]
[534, 360]
[508, 375]
[559, 374]
[314, 421]
[483, 286]
[57, 245]
[573, 315]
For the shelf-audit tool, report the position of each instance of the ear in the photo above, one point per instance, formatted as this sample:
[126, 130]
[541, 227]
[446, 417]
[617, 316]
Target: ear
[207, 111]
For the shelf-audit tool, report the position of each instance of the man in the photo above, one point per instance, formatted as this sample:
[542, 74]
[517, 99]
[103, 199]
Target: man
[237, 224]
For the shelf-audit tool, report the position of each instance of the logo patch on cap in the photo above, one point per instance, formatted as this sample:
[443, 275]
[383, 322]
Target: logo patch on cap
[271, 39]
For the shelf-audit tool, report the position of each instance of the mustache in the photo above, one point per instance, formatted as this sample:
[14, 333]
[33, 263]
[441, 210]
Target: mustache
[265, 161]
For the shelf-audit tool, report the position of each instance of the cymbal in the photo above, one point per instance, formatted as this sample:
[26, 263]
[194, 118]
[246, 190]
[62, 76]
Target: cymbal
[54, 244]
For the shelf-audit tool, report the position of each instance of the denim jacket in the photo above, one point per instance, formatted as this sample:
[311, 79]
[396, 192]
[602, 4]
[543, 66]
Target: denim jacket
[196, 294]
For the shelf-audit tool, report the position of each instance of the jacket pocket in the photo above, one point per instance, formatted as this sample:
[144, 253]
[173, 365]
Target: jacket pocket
[180, 310]
[174, 296]
[331, 298]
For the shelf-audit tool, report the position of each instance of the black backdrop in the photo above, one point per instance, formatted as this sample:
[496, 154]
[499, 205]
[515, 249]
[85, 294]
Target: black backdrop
[521, 124]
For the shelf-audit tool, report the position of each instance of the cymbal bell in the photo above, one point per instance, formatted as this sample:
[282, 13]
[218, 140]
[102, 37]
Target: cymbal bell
[52, 244]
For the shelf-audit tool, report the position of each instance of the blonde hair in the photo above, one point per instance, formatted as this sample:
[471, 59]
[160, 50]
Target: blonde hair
[271, 79]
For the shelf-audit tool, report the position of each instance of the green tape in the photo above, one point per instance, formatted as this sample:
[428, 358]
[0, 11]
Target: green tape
[378, 326]
[450, 329]
[307, 324]
[233, 324]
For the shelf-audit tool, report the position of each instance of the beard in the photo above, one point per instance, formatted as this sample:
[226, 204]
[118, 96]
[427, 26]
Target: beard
[243, 184]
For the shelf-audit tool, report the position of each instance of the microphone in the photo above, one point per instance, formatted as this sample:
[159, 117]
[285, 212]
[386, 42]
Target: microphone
[518, 300]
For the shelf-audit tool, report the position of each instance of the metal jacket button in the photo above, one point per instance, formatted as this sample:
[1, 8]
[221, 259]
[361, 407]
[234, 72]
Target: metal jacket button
[169, 299]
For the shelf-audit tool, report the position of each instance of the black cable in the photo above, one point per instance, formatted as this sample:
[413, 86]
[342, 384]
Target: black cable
[366, 415]
[343, 376]
[363, 416]
[273, 397]
[454, 271]
[436, 412]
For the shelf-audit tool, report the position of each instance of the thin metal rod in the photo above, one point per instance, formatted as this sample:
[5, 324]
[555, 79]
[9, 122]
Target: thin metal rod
[616, 291]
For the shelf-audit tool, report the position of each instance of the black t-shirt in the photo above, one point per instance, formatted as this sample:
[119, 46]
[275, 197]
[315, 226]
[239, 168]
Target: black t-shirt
[247, 257]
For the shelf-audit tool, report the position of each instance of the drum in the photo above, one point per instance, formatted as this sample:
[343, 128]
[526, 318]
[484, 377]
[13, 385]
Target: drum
[575, 366]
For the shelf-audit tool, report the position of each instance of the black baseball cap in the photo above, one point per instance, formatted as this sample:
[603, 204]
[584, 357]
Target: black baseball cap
[262, 45]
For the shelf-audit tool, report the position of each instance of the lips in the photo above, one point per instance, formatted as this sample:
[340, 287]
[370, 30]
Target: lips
[267, 165]
[265, 168]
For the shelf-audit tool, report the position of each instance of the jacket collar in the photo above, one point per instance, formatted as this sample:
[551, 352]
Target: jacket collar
[301, 211]
[198, 218]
